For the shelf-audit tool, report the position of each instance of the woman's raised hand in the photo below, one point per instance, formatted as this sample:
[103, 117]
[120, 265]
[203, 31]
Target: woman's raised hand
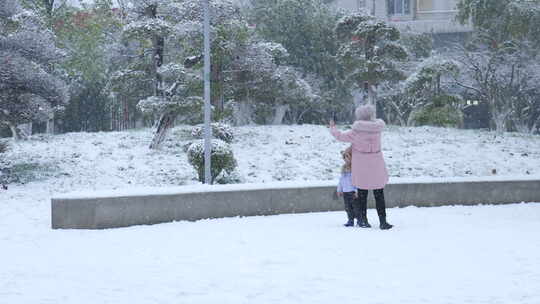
[331, 124]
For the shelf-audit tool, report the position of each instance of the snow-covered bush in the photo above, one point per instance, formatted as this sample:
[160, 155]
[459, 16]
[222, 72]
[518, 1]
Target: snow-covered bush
[221, 131]
[229, 178]
[445, 116]
[222, 158]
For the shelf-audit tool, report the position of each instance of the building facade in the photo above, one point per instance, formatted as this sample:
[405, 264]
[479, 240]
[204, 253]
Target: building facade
[425, 16]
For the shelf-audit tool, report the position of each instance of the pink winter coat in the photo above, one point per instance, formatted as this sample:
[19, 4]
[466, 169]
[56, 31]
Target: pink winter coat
[368, 166]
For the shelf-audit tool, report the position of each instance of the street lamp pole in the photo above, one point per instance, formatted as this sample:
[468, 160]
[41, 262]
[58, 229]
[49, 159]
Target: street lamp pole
[207, 104]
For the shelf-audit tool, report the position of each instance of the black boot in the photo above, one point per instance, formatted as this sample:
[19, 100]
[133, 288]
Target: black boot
[384, 224]
[348, 198]
[363, 222]
[381, 209]
[362, 210]
[349, 223]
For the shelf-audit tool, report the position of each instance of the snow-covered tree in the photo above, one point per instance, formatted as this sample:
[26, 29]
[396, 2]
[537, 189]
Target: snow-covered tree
[430, 91]
[503, 20]
[89, 35]
[229, 33]
[148, 27]
[251, 79]
[500, 77]
[306, 30]
[502, 59]
[28, 86]
[167, 33]
[46, 8]
[264, 86]
[428, 87]
[181, 97]
[294, 94]
[526, 115]
[418, 45]
[369, 52]
[248, 73]
[396, 103]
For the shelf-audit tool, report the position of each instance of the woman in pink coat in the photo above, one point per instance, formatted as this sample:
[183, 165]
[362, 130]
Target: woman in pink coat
[368, 166]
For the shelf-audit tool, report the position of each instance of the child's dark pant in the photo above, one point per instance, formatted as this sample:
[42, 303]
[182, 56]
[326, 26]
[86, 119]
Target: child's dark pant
[379, 202]
[352, 205]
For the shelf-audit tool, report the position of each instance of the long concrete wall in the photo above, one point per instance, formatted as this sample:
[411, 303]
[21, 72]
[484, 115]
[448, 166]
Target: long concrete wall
[152, 206]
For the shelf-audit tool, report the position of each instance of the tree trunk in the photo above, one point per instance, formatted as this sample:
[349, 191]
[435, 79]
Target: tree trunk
[500, 113]
[26, 129]
[49, 6]
[499, 119]
[370, 54]
[14, 132]
[50, 126]
[300, 117]
[139, 123]
[125, 114]
[113, 127]
[242, 113]
[217, 94]
[522, 127]
[500, 125]
[164, 124]
[410, 119]
[280, 112]
[397, 114]
[372, 94]
[17, 133]
[158, 47]
[166, 120]
[359, 97]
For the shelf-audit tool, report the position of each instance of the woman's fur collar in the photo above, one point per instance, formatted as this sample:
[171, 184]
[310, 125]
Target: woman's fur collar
[376, 125]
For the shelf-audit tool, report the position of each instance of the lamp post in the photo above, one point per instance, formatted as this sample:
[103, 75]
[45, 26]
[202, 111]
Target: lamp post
[207, 104]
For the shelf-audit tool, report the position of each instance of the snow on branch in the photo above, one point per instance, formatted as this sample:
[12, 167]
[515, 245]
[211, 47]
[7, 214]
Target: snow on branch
[148, 27]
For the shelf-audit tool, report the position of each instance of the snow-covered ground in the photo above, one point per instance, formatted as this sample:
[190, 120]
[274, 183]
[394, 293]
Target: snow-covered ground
[483, 254]
[437, 255]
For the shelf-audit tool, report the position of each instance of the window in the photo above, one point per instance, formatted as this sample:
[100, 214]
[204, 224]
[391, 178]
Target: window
[360, 4]
[399, 7]
[425, 5]
[437, 5]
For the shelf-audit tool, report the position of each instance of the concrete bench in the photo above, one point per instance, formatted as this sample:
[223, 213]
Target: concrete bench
[109, 209]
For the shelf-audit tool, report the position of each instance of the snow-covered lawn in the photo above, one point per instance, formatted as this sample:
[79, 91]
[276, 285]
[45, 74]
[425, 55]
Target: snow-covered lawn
[482, 254]
[266, 153]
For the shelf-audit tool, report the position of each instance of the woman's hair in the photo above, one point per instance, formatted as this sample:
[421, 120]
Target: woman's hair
[365, 112]
[347, 165]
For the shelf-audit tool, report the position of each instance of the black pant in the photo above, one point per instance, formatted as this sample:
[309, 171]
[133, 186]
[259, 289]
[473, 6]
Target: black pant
[379, 200]
[352, 205]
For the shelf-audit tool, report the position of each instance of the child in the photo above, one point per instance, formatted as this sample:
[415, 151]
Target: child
[347, 190]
